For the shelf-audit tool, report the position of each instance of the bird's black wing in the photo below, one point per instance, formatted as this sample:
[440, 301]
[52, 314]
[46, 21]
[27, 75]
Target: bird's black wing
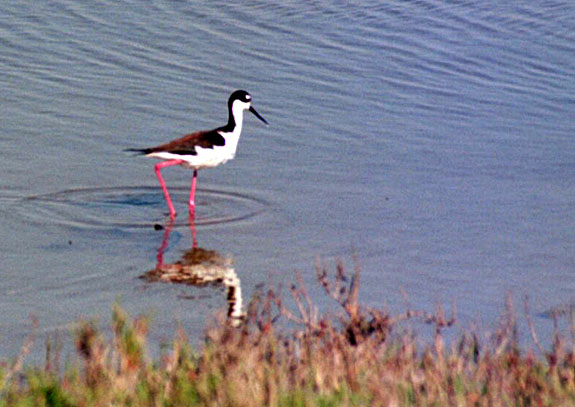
[187, 144]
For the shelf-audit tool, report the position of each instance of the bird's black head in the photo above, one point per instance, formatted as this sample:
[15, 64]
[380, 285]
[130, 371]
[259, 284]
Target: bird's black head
[243, 100]
[240, 95]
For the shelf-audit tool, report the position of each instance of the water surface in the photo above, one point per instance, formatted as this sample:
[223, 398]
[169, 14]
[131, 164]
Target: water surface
[432, 139]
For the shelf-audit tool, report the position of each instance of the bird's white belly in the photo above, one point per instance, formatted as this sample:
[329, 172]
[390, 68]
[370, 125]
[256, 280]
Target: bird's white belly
[208, 157]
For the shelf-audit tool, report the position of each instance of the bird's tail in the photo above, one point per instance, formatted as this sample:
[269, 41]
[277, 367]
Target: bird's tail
[138, 151]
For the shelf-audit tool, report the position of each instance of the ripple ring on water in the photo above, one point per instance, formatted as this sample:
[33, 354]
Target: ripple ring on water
[133, 207]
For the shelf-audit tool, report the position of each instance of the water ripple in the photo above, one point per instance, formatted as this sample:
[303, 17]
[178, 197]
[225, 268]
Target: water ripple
[135, 207]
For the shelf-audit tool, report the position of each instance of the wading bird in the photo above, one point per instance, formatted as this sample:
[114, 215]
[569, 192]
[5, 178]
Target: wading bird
[203, 149]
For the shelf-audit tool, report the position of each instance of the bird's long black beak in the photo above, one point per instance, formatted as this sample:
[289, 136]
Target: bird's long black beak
[258, 115]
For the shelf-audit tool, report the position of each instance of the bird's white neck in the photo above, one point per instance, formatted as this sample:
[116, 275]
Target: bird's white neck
[238, 113]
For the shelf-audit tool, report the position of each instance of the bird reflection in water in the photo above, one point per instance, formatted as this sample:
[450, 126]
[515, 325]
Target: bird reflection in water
[200, 267]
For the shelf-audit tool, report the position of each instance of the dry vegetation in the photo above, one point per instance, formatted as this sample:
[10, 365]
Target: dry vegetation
[361, 357]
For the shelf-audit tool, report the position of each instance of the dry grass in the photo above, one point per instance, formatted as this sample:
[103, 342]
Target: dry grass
[361, 357]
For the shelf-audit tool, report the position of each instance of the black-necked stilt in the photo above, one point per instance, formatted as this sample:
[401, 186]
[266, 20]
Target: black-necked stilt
[203, 149]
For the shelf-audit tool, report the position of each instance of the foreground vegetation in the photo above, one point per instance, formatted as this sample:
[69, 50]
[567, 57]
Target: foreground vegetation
[361, 357]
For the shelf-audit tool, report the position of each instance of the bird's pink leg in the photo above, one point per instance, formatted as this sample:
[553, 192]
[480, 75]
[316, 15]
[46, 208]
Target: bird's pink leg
[193, 195]
[158, 167]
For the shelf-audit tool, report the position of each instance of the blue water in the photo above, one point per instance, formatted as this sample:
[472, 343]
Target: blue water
[433, 140]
